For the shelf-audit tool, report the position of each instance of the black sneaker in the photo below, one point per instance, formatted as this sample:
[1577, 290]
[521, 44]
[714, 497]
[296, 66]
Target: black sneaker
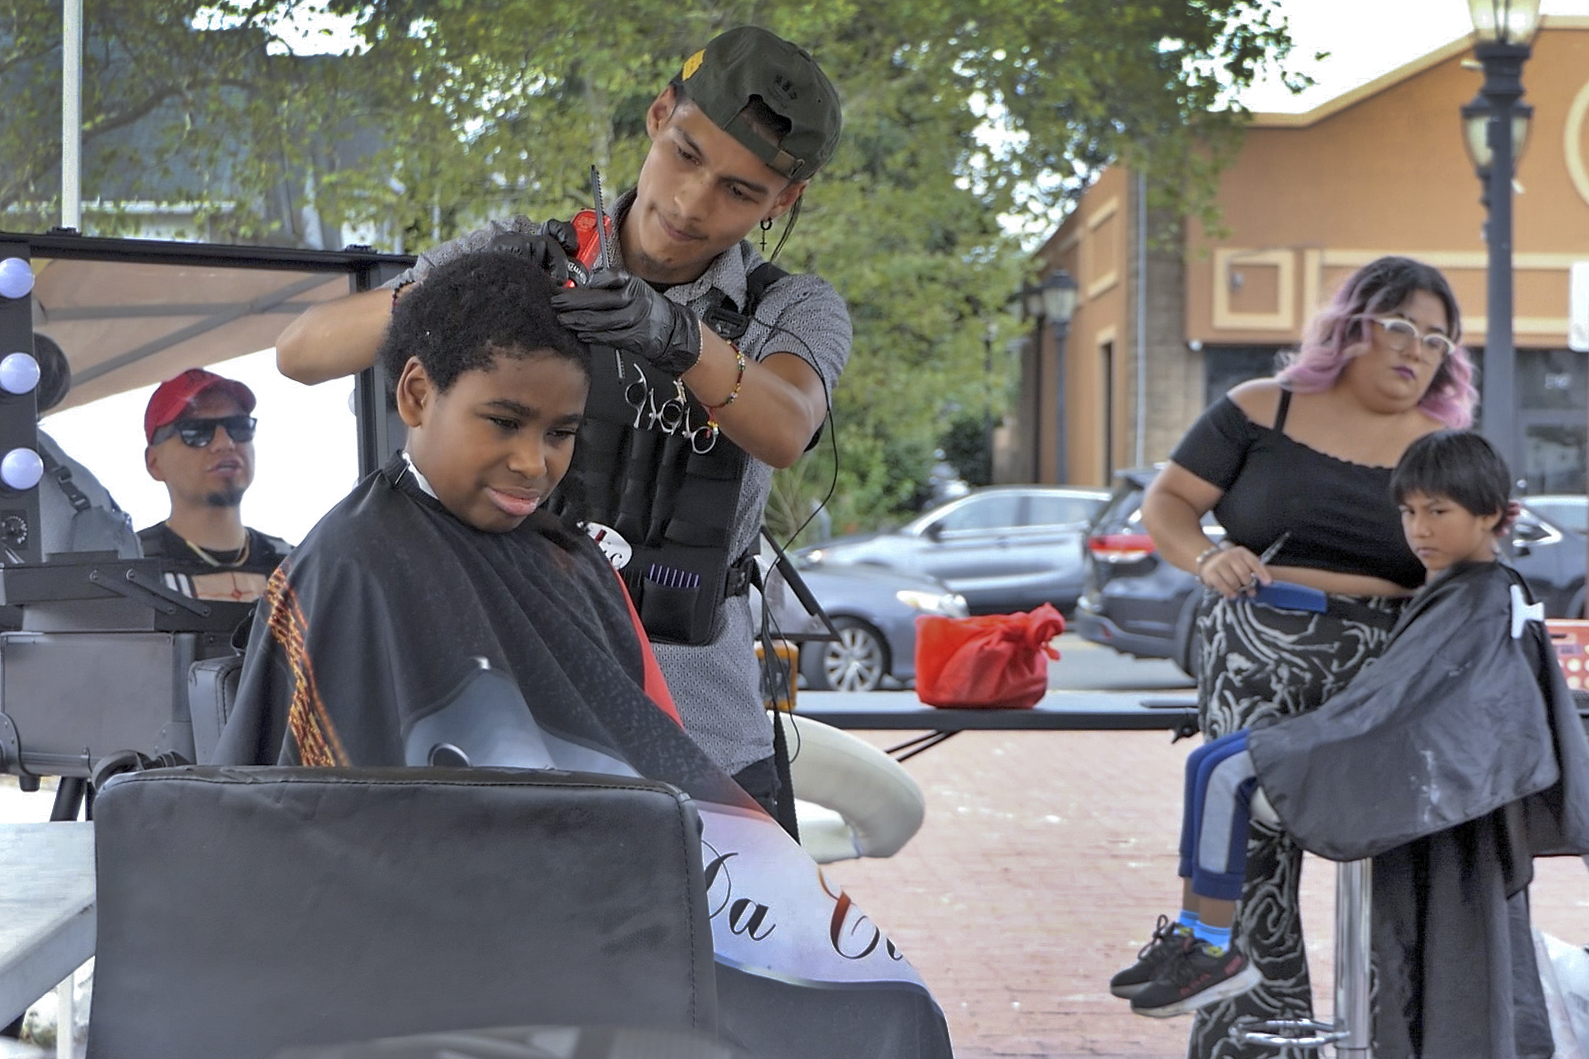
[1193, 977]
[1168, 939]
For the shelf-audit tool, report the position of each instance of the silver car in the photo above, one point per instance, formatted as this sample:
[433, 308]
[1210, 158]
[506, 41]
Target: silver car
[1004, 548]
[874, 612]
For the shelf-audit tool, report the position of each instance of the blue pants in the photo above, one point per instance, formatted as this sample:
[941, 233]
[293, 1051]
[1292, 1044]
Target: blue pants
[1219, 783]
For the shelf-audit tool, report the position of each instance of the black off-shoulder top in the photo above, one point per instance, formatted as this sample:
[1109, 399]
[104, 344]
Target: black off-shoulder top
[1340, 514]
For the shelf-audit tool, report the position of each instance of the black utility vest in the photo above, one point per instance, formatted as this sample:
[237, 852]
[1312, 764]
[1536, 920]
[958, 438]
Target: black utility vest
[647, 467]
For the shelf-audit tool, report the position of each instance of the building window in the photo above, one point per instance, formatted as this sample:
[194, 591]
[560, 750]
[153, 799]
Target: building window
[1552, 411]
[1225, 367]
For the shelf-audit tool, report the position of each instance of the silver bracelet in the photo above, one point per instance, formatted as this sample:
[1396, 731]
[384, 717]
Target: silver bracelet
[1204, 555]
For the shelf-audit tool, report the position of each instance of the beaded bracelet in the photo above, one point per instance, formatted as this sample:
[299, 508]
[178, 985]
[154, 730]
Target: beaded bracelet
[1206, 554]
[712, 409]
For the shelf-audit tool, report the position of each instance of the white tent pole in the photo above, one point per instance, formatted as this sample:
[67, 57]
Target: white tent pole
[72, 114]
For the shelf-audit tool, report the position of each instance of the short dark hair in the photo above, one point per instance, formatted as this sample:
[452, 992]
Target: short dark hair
[472, 309]
[1458, 464]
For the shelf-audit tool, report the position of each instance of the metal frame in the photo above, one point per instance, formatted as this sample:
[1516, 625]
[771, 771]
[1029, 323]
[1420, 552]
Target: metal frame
[76, 601]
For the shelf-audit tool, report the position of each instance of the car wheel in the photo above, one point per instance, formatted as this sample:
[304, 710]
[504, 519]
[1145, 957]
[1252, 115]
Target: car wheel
[856, 661]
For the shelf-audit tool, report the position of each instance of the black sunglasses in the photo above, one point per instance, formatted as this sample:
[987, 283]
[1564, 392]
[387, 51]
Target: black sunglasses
[198, 433]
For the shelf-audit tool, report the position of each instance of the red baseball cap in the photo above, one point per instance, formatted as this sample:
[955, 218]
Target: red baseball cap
[172, 397]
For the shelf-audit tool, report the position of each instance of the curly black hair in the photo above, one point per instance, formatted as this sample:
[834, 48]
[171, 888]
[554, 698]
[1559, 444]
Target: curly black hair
[468, 311]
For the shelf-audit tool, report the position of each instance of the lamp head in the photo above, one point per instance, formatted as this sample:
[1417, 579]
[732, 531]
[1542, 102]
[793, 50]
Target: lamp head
[1059, 296]
[1476, 133]
[1505, 21]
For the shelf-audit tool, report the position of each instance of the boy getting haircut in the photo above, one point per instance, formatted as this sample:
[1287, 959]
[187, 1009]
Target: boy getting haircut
[472, 309]
[1458, 464]
[1452, 761]
[402, 632]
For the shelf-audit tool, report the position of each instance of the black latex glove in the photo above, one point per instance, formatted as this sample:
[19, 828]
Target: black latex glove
[626, 313]
[550, 248]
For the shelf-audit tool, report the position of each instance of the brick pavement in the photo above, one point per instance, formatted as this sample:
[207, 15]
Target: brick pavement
[1043, 861]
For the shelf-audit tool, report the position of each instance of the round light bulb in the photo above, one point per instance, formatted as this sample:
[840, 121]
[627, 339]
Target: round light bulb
[19, 373]
[21, 469]
[16, 278]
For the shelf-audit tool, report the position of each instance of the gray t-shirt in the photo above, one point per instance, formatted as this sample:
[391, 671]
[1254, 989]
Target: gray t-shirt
[717, 685]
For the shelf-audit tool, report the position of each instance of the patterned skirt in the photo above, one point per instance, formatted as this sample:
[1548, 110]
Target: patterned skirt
[1260, 665]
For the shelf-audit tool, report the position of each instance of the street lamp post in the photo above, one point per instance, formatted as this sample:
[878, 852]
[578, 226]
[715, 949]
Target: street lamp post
[988, 332]
[1053, 299]
[1031, 299]
[1495, 126]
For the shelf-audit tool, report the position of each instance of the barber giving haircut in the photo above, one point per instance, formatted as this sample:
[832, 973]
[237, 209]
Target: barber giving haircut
[491, 386]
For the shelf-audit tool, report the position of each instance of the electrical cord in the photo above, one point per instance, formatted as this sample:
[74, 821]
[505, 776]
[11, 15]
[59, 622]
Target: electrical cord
[779, 668]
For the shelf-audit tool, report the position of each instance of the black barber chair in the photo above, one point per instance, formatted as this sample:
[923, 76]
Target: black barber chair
[245, 911]
[533, 1042]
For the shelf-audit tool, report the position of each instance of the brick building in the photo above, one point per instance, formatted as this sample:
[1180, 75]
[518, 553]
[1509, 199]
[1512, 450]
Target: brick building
[1159, 332]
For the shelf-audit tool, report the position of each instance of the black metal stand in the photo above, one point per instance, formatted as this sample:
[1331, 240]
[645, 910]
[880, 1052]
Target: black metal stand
[69, 798]
[1351, 1030]
[1501, 92]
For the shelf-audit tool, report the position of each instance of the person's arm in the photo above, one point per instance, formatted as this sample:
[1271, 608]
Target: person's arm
[334, 338]
[782, 399]
[780, 405]
[341, 337]
[1172, 512]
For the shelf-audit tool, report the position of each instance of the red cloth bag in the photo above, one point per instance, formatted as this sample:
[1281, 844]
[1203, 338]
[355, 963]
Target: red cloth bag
[997, 661]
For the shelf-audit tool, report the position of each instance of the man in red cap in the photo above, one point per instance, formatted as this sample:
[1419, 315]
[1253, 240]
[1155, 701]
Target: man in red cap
[201, 445]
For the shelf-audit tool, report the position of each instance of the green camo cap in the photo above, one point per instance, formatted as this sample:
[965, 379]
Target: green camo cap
[748, 62]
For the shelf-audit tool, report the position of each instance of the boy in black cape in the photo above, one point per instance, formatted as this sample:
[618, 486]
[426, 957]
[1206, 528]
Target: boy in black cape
[1452, 761]
[441, 612]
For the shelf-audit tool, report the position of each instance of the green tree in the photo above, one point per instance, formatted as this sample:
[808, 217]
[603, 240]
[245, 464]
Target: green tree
[965, 447]
[959, 115]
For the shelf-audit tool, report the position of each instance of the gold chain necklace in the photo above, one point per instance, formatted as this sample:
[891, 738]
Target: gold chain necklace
[242, 556]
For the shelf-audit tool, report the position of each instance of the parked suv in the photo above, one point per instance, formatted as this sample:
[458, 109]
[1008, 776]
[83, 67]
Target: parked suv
[1134, 601]
[1004, 548]
[1140, 605]
[1547, 548]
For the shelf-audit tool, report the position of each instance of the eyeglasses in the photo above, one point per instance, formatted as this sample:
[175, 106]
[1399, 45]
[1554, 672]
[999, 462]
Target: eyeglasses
[1399, 334]
[198, 433]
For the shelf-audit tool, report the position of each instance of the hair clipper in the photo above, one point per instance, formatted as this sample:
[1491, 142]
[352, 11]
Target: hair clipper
[595, 239]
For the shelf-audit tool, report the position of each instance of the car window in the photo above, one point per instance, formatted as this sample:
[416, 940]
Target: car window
[1123, 513]
[1046, 510]
[993, 511]
[1121, 508]
[1570, 514]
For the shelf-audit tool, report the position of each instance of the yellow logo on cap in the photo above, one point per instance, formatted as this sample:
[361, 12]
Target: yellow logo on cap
[693, 63]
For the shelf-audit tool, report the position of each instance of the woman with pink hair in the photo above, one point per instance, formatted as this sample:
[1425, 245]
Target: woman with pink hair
[1296, 468]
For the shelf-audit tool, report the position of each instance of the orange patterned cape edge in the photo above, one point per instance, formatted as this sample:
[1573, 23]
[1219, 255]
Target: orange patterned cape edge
[312, 731]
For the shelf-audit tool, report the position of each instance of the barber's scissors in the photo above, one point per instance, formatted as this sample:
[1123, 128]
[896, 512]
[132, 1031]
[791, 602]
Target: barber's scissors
[1274, 549]
[1268, 553]
[643, 399]
[637, 394]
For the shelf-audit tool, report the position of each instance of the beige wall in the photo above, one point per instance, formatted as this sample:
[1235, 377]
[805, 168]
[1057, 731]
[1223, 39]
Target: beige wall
[1314, 196]
[1310, 198]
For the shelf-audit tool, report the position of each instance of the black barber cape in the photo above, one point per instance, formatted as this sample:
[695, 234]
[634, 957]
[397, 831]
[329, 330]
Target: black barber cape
[394, 627]
[1452, 760]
